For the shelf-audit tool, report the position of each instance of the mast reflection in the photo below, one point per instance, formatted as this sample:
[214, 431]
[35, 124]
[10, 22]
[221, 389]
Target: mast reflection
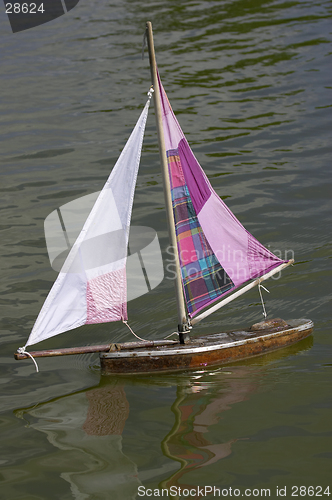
[196, 409]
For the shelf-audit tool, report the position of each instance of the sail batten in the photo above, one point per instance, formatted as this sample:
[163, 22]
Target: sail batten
[216, 253]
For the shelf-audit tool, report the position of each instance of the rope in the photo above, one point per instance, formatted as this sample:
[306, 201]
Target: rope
[177, 333]
[126, 323]
[174, 333]
[21, 350]
[151, 90]
[145, 37]
[261, 296]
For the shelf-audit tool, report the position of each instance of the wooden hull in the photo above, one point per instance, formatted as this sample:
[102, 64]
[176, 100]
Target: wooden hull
[209, 350]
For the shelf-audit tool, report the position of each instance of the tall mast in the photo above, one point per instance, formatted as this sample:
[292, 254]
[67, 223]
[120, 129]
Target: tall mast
[182, 316]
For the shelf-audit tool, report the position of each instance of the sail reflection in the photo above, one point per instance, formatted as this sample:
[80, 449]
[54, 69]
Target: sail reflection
[87, 427]
[108, 411]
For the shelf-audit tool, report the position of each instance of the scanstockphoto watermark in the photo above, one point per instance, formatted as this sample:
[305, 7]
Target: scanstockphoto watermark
[203, 491]
[234, 261]
[213, 491]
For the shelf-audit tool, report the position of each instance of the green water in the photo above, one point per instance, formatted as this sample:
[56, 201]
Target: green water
[251, 84]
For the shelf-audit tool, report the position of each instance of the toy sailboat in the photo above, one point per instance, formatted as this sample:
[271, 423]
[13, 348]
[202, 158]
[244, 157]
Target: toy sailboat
[216, 260]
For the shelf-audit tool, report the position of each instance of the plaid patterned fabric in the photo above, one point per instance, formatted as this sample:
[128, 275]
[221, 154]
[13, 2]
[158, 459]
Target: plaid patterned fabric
[203, 278]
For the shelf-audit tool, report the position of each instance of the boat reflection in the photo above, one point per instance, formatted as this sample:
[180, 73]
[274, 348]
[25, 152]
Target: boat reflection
[89, 427]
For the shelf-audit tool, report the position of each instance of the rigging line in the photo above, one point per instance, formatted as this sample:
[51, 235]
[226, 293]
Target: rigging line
[145, 36]
[177, 333]
[63, 228]
[145, 274]
[174, 333]
[21, 350]
[261, 296]
[126, 323]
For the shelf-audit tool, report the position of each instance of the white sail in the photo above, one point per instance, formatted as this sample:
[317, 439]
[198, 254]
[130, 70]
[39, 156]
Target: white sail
[91, 286]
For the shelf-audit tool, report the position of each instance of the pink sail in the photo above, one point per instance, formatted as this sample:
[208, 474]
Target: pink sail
[217, 254]
[92, 285]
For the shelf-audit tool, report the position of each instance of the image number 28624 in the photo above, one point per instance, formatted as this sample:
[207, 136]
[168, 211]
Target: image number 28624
[25, 8]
